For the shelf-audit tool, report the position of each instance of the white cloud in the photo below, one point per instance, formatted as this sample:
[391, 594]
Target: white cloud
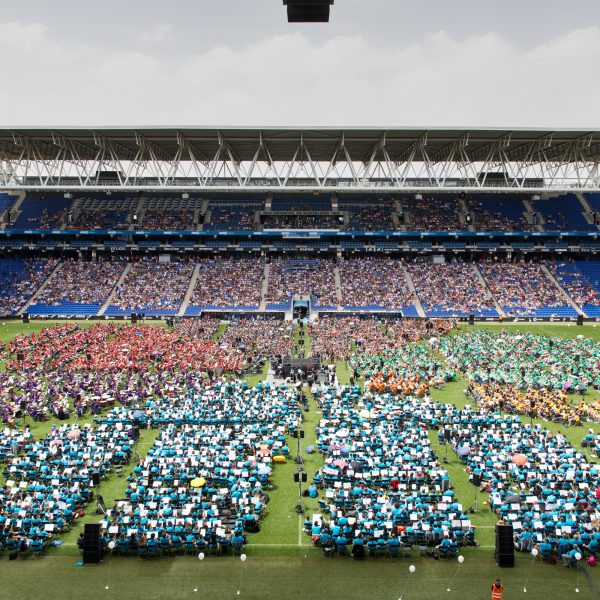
[28, 36]
[482, 80]
[28, 41]
[160, 33]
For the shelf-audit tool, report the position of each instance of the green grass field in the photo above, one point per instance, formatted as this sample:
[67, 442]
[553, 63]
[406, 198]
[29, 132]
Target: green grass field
[281, 562]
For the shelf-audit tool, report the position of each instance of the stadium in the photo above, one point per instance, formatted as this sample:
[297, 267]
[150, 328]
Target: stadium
[234, 358]
[300, 307]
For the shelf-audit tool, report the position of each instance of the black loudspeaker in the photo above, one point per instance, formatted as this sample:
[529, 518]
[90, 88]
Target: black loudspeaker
[471, 319]
[580, 320]
[476, 479]
[505, 548]
[445, 485]
[96, 478]
[308, 11]
[20, 356]
[302, 475]
[447, 435]
[135, 433]
[92, 544]
[25, 318]
[134, 318]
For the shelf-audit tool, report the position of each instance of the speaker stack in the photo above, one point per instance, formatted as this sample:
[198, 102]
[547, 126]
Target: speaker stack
[134, 318]
[92, 545]
[580, 320]
[25, 318]
[308, 11]
[505, 548]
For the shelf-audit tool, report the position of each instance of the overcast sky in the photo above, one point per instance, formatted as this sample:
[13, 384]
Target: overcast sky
[466, 63]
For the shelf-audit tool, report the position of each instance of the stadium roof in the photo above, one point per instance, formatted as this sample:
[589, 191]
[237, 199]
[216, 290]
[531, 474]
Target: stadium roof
[283, 142]
[196, 157]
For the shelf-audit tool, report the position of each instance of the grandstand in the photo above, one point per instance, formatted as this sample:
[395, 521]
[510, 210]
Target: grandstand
[437, 244]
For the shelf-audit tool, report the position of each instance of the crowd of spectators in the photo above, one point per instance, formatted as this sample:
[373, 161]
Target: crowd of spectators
[48, 219]
[98, 219]
[314, 277]
[450, 289]
[432, 214]
[172, 219]
[370, 217]
[228, 282]
[483, 219]
[576, 284]
[237, 218]
[375, 282]
[153, 285]
[445, 290]
[20, 279]
[81, 282]
[520, 288]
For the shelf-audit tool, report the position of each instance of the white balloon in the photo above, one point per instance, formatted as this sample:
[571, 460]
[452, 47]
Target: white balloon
[461, 559]
[578, 556]
[412, 568]
[243, 557]
[535, 552]
[111, 544]
[201, 556]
